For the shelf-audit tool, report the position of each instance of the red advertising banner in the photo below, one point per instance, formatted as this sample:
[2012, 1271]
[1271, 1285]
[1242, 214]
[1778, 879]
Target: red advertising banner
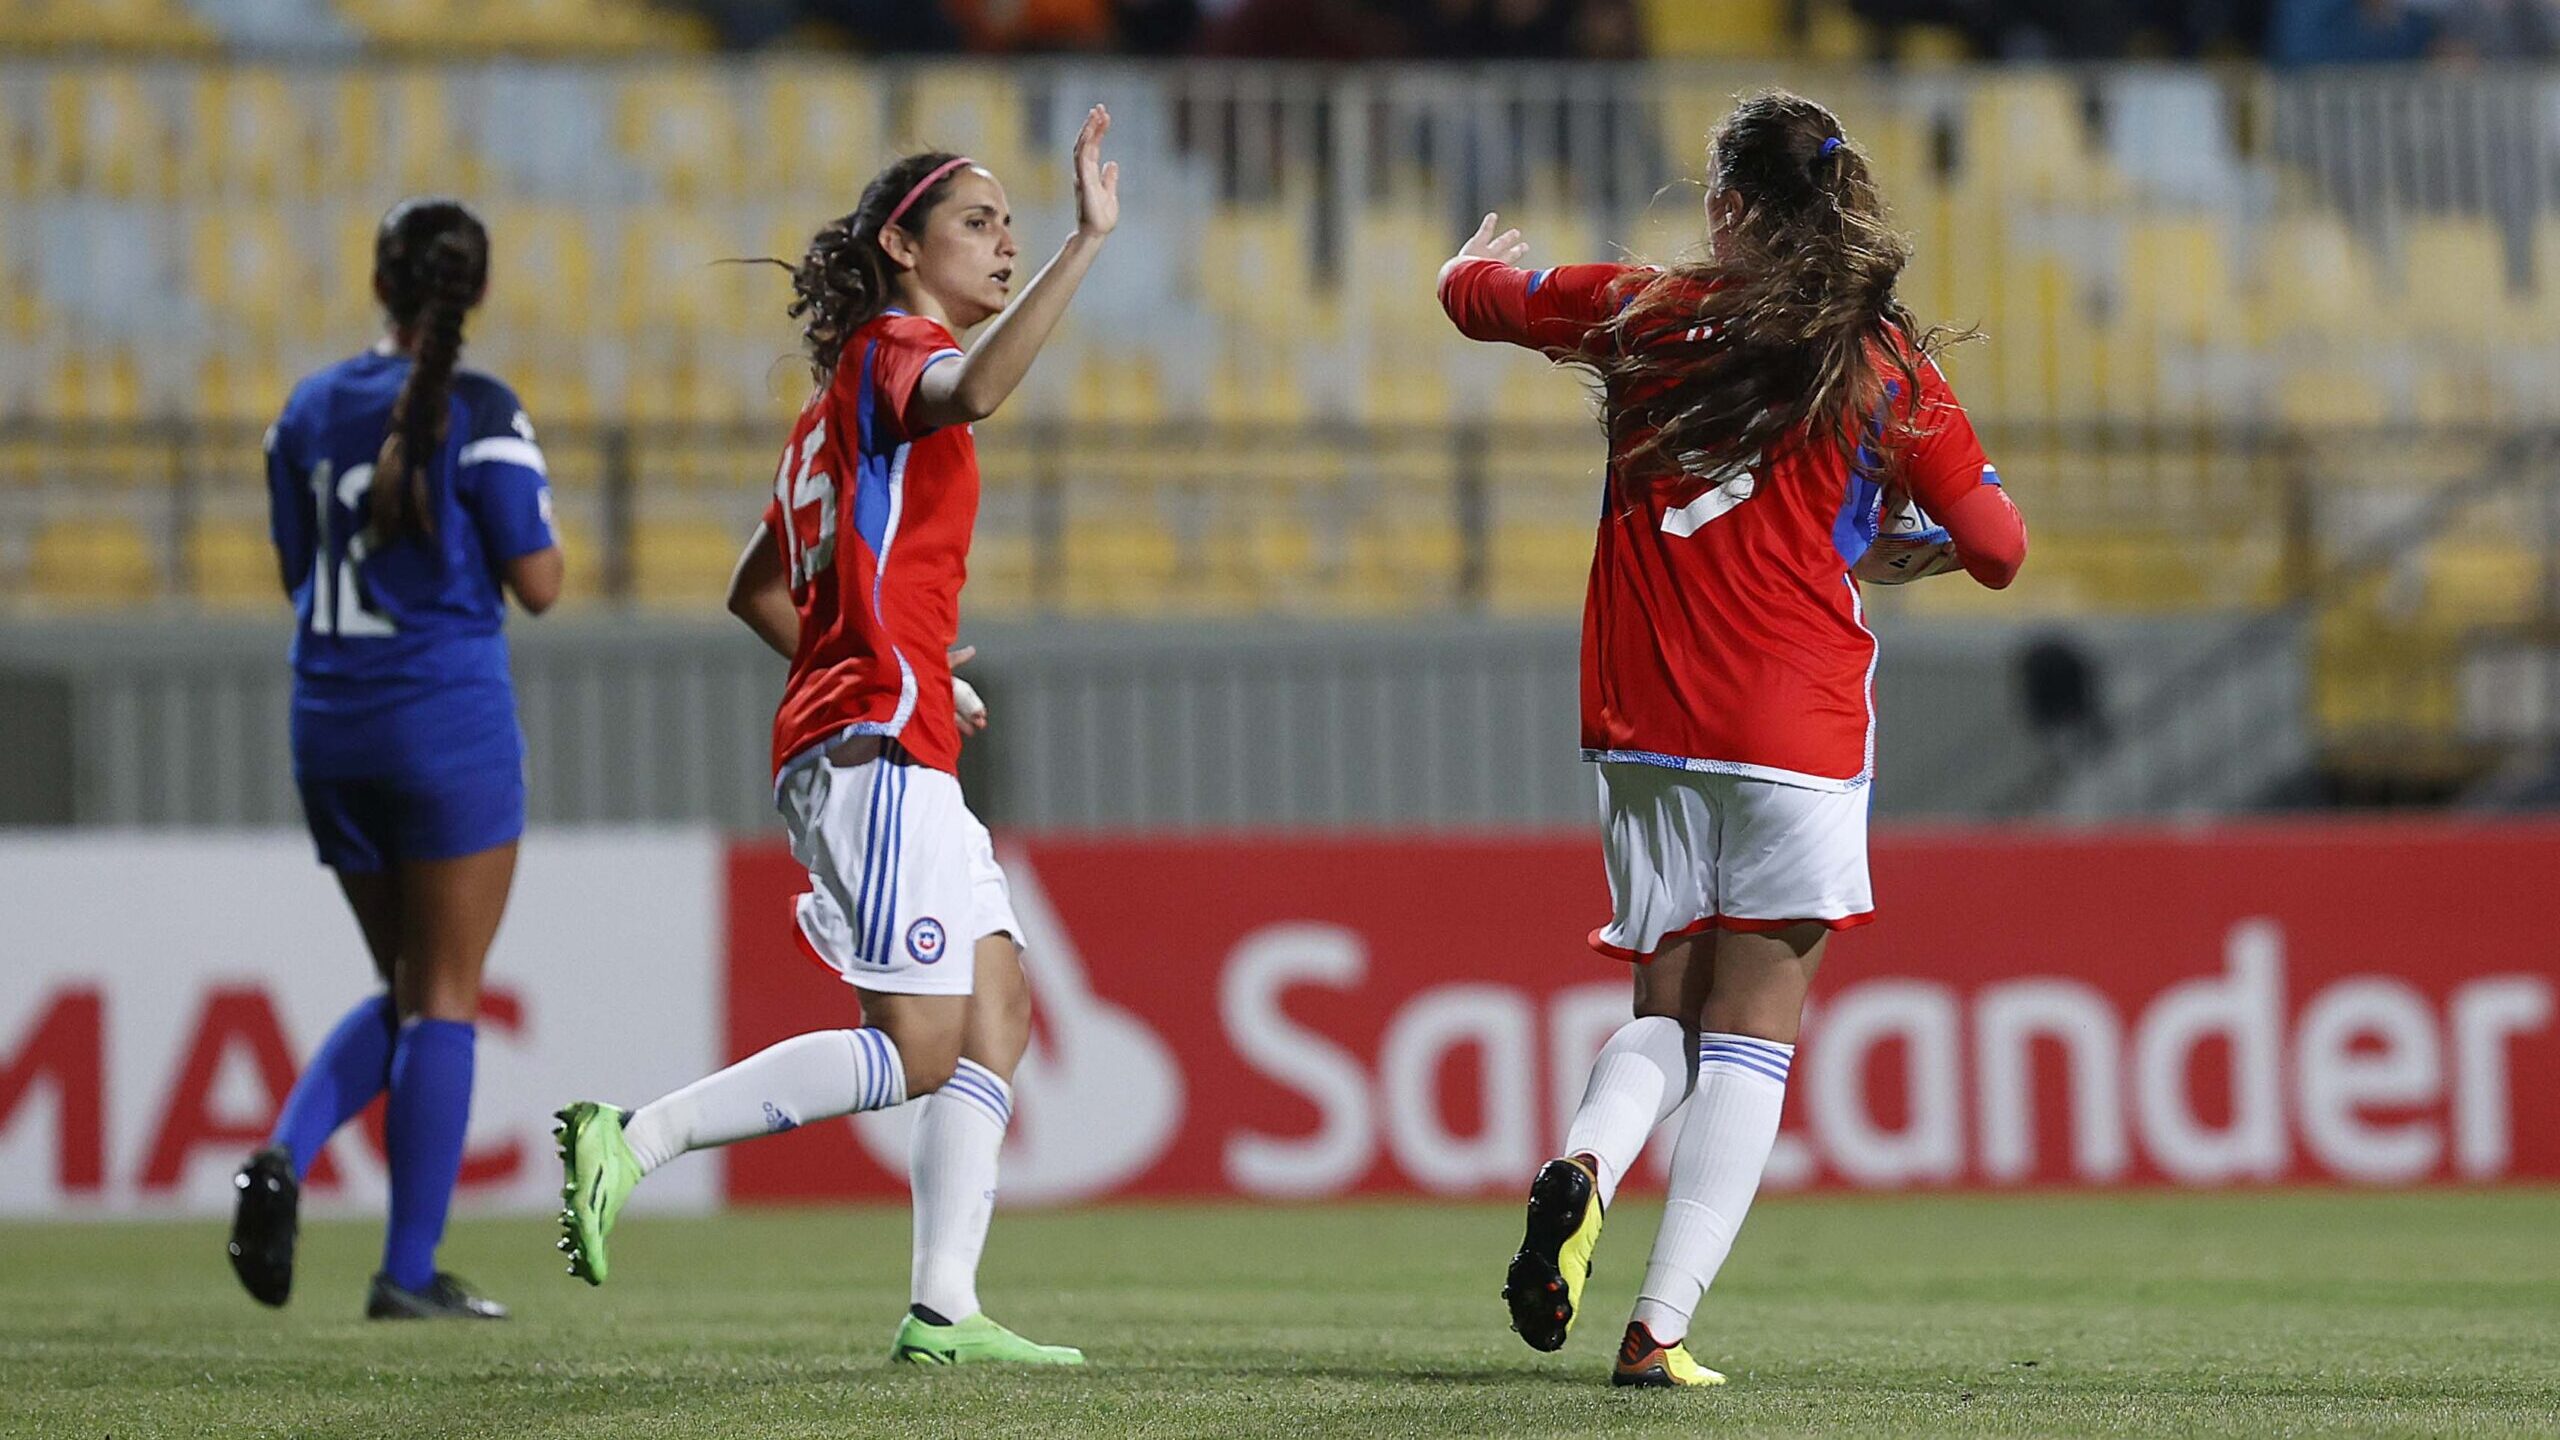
[2369, 1003]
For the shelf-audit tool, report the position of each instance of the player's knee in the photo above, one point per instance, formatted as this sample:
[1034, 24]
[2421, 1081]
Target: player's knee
[1758, 1019]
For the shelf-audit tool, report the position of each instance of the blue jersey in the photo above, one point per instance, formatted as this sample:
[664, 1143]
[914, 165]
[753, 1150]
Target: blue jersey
[427, 609]
[399, 655]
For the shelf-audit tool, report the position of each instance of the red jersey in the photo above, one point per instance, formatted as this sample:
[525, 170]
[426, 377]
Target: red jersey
[873, 518]
[1721, 630]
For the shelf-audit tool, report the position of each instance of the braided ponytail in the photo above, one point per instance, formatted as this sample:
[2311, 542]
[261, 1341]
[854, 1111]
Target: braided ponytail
[430, 266]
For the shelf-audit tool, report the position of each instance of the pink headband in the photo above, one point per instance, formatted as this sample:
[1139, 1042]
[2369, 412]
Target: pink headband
[938, 171]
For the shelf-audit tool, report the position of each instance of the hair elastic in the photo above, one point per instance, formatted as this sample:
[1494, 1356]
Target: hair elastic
[1828, 146]
[938, 171]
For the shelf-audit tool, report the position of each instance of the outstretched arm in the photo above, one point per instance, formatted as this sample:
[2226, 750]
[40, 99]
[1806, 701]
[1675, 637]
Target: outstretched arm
[971, 389]
[1554, 312]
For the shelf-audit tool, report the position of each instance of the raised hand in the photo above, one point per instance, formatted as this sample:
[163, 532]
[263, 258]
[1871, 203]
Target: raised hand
[1506, 247]
[1097, 180]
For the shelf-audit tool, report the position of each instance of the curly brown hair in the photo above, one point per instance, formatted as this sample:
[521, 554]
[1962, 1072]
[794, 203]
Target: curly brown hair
[842, 283]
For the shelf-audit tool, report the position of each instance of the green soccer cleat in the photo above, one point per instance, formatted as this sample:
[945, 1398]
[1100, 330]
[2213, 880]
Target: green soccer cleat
[1544, 1284]
[1647, 1363]
[976, 1340]
[601, 1171]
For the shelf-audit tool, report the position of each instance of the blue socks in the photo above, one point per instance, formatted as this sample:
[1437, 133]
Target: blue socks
[430, 1105]
[344, 1075]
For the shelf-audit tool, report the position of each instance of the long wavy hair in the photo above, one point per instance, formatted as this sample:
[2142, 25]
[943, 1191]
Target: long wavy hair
[430, 268]
[1776, 332]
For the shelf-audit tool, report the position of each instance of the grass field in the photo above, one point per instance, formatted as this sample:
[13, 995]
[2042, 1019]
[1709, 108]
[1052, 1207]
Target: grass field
[2233, 1315]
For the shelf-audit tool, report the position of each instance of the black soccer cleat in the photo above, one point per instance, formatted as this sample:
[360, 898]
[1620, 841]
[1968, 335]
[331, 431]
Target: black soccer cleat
[446, 1298]
[264, 1224]
[1544, 1285]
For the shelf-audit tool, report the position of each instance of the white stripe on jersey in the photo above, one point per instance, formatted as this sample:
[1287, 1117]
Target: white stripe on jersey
[506, 450]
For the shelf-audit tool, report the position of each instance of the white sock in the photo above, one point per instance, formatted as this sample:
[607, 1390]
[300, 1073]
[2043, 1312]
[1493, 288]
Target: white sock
[952, 1168]
[1639, 1078]
[817, 1076]
[1724, 1145]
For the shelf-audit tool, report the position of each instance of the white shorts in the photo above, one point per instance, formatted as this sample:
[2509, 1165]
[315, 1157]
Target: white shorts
[903, 880]
[1689, 850]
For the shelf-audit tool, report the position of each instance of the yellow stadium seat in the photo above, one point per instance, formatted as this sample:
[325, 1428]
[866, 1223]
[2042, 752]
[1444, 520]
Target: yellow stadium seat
[94, 384]
[107, 135]
[231, 564]
[1118, 565]
[92, 562]
[2025, 134]
[670, 275]
[1402, 565]
[2476, 583]
[241, 382]
[1539, 567]
[977, 111]
[681, 562]
[682, 127]
[542, 267]
[2454, 280]
[2319, 279]
[1753, 29]
[2320, 396]
[248, 269]
[1003, 572]
[249, 134]
[2177, 280]
[820, 139]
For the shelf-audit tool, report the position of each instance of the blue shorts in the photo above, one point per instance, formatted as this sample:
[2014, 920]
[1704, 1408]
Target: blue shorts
[413, 781]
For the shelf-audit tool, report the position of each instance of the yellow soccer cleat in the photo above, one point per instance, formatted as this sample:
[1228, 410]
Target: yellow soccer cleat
[1647, 1362]
[1544, 1286]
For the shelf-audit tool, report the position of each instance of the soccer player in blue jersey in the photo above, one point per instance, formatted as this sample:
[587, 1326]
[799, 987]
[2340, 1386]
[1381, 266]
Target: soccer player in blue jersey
[407, 498]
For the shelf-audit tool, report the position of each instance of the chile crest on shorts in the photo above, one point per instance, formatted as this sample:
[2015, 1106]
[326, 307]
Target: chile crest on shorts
[926, 940]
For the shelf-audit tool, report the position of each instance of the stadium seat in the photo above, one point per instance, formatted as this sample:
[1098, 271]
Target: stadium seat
[1539, 567]
[819, 143]
[1117, 565]
[1750, 29]
[1401, 565]
[107, 135]
[231, 564]
[2454, 280]
[2473, 584]
[2318, 279]
[976, 111]
[1002, 575]
[92, 562]
[681, 562]
[2177, 280]
[681, 128]
[249, 133]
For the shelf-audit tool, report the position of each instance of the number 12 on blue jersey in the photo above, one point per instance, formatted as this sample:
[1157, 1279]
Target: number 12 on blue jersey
[339, 605]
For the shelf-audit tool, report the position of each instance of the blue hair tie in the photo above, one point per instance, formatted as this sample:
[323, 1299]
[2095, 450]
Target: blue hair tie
[1831, 144]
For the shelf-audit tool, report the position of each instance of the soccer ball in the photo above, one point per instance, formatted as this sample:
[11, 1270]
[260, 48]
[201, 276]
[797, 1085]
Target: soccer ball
[1909, 545]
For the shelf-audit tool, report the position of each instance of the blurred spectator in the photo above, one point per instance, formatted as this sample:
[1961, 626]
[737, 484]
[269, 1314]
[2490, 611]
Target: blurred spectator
[1305, 30]
[1015, 26]
[1156, 27]
[890, 27]
[2500, 30]
[2348, 32]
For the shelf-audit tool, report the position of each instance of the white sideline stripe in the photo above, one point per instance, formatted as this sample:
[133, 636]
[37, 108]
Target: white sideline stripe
[506, 450]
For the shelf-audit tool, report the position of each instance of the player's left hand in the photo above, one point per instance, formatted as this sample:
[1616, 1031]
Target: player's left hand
[1097, 180]
[965, 704]
[1507, 247]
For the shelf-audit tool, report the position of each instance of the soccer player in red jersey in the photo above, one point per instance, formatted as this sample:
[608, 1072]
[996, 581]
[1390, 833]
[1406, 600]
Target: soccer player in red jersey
[1760, 406]
[854, 576]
